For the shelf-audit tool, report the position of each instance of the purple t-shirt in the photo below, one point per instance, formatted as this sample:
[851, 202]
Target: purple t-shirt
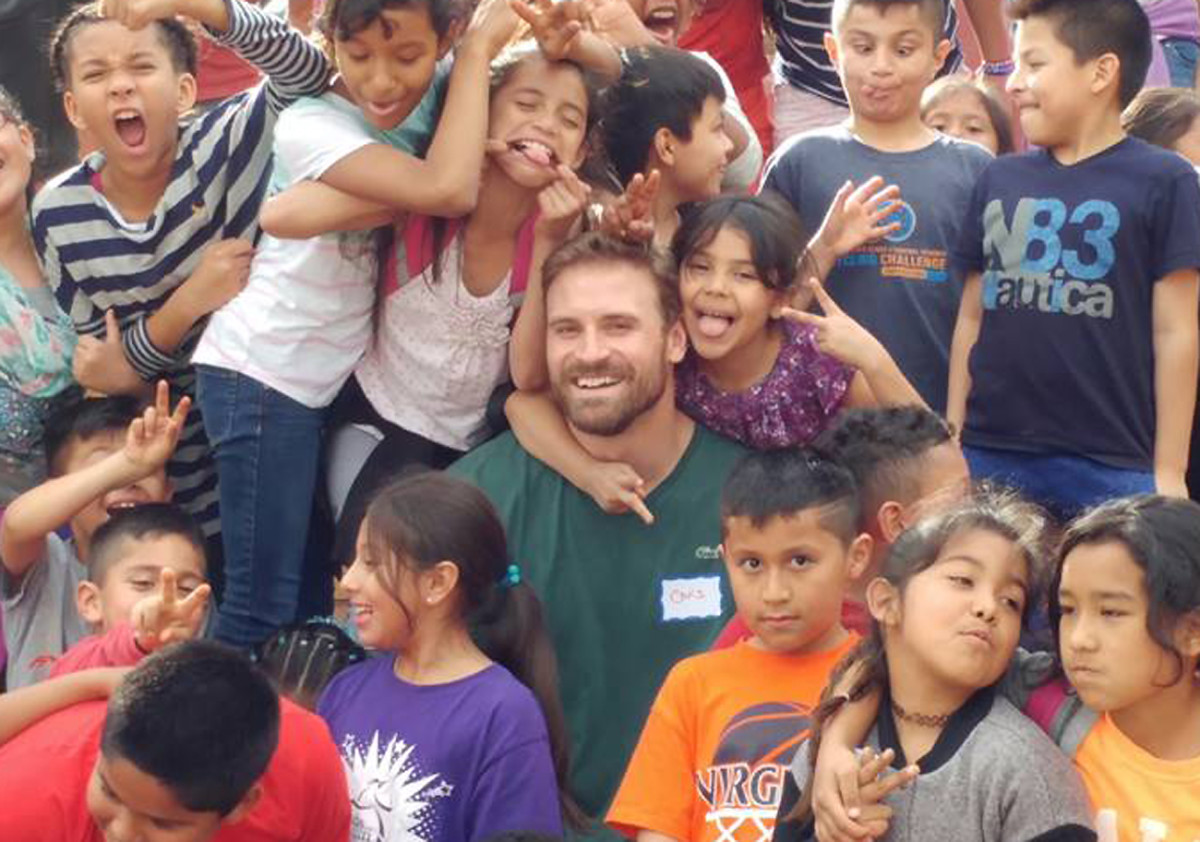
[455, 762]
[787, 408]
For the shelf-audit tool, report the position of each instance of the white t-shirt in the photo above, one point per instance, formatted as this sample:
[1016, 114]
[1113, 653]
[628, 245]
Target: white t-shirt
[439, 354]
[304, 318]
[743, 170]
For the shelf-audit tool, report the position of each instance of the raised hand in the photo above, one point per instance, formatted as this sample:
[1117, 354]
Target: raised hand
[163, 618]
[617, 488]
[857, 216]
[562, 203]
[556, 26]
[151, 439]
[631, 216]
[617, 23]
[492, 27]
[838, 335]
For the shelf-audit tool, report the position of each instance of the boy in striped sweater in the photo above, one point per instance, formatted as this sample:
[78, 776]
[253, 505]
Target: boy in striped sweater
[155, 230]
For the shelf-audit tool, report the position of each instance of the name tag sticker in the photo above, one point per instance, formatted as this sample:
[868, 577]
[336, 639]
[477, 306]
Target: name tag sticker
[692, 598]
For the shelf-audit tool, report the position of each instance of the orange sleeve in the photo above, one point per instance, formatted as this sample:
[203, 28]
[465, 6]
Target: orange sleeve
[658, 792]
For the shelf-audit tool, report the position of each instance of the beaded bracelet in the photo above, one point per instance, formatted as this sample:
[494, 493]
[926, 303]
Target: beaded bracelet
[999, 68]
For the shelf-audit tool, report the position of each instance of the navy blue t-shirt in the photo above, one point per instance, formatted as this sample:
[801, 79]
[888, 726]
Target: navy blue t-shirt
[1070, 256]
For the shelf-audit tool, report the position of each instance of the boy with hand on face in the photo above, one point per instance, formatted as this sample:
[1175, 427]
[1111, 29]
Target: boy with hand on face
[154, 230]
[145, 588]
[711, 760]
[103, 457]
[899, 288]
[1073, 373]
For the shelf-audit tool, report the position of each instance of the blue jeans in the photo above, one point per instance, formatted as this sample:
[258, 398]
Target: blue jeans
[1065, 485]
[267, 448]
[1181, 55]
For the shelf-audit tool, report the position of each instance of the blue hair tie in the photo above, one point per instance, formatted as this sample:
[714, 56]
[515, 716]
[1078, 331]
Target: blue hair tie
[511, 577]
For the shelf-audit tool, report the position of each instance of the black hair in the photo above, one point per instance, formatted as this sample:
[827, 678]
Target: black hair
[659, 88]
[174, 34]
[343, 19]
[1092, 28]
[425, 518]
[915, 551]
[776, 234]
[883, 449]
[1161, 115]
[594, 247]
[302, 658]
[10, 109]
[200, 719]
[783, 483]
[80, 419]
[147, 520]
[1162, 536]
[997, 110]
[934, 12]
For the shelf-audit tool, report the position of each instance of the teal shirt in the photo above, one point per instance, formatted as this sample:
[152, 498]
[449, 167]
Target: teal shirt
[624, 601]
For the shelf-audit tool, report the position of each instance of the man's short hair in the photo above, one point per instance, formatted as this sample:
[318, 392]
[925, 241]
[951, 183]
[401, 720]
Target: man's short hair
[147, 520]
[200, 719]
[933, 11]
[783, 483]
[595, 248]
[1091, 28]
[883, 449]
[78, 420]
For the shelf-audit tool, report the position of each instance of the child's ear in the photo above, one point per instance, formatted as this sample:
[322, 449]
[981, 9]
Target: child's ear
[1106, 72]
[940, 52]
[249, 802]
[89, 603]
[664, 148]
[859, 556]
[438, 582]
[831, 47]
[891, 521]
[883, 601]
[185, 96]
[1187, 634]
[72, 111]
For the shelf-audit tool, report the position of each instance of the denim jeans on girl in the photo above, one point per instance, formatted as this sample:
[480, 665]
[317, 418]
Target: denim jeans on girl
[267, 450]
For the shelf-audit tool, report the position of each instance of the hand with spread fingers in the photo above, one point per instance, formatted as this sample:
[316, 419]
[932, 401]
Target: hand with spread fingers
[838, 335]
[631, 216]
[151, 439]
[856, 216]
[163, 618]
[557, 27]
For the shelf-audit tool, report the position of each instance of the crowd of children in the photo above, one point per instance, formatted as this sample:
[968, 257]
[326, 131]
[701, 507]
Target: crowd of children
[493, 421]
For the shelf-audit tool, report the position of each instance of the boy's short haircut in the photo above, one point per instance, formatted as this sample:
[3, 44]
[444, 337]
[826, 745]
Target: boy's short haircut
[883, 448]
[596, 248]
[200, 719]
[81, 419]
[174, 34]
[659, 88]
[1091, 28]
[934, 12]
[783, 483]
[147, 520]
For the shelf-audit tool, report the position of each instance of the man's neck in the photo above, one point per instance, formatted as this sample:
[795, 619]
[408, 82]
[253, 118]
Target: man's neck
[1096, 133]
[135, 196]
[906, 135]
[652, 445]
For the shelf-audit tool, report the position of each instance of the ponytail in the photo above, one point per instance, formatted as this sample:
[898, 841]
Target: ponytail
[513, 634]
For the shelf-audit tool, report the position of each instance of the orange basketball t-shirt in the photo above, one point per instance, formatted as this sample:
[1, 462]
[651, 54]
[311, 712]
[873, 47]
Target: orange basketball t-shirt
[712, 759]
[1135, 794]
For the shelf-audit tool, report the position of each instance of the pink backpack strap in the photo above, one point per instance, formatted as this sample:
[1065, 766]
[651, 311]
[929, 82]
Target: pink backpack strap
[1045, 703]
[522, 259]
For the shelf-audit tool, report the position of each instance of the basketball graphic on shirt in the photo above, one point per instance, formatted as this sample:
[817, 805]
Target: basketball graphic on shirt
[743, 784]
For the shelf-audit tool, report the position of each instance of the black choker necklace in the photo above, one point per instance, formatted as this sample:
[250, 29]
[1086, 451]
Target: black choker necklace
[925, 720]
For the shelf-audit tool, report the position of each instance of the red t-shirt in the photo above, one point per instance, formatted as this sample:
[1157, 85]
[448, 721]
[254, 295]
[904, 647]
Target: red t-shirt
[731, 31]
[223, 72]
[855, 618]
[44, 772]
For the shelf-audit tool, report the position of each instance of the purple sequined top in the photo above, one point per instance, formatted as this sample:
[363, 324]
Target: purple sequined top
[787, 408]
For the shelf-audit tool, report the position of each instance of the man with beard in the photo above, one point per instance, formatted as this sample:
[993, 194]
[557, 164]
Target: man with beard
[624, 600]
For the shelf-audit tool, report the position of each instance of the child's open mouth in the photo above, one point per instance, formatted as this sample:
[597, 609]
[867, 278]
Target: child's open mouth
[713, 325]
[663, 23]
[131, 128]
[535, 152]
